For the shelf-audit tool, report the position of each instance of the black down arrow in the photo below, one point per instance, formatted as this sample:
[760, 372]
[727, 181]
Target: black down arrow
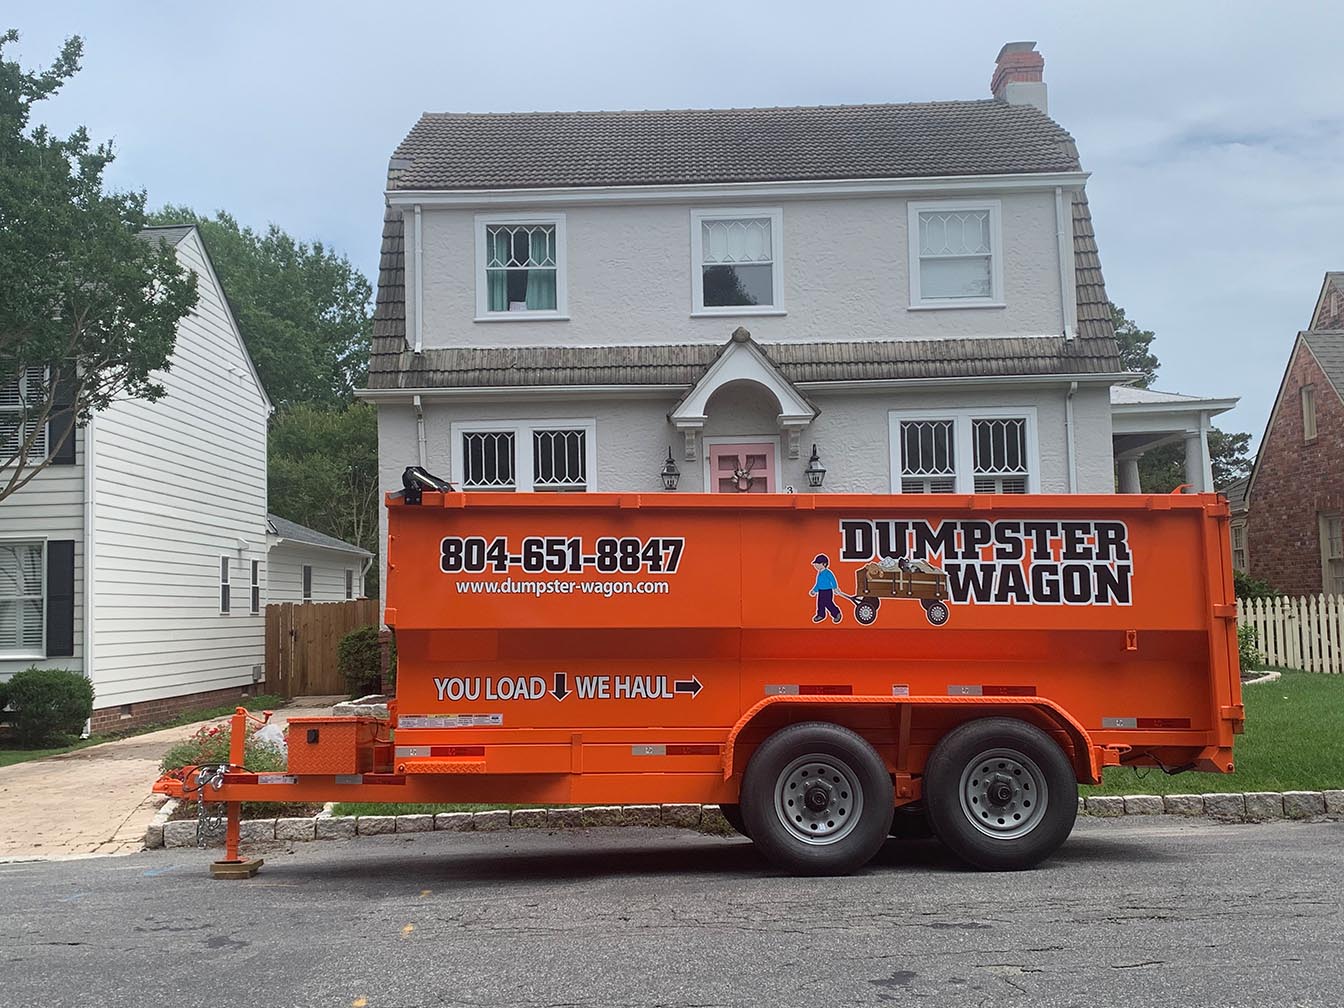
[691, 686]
[561, 689]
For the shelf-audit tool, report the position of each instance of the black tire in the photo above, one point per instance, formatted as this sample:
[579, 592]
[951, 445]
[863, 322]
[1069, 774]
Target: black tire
[834, 838]
[733, 813]
[937, 612]
[1017, 813]
[865, 610]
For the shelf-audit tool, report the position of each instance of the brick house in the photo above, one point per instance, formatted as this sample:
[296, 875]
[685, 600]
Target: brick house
[1296, 494]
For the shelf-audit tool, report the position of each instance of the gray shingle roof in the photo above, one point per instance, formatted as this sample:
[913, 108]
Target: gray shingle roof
[293, 531]
[526, 150]
[1328, 348]
[167, 234]
[1235, 492]
[613, 148]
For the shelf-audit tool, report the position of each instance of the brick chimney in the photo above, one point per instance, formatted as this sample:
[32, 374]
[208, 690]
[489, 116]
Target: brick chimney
[1018, 75]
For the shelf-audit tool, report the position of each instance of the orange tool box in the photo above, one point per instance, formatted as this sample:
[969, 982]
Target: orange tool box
[807, 662]
[333, 745]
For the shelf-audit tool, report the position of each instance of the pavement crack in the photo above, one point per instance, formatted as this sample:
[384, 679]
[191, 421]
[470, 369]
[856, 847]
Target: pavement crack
[1138, 965]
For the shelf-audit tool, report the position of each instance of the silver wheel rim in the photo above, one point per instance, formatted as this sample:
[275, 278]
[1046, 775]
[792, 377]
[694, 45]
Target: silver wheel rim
[938, 613]
[818, 799]
[866, 613]
[1004, 793]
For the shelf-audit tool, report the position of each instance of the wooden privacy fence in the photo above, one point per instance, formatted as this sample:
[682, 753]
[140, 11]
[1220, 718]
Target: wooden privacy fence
[301, 643]
[1305, 632]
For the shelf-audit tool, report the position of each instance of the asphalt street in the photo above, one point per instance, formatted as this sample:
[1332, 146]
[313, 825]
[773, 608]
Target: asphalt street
[1152, 911]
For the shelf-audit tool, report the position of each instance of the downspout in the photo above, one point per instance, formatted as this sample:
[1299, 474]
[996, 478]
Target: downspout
[419, 289]
[420, 432]
[90, 475]
[1064, 244]
[1068, 439]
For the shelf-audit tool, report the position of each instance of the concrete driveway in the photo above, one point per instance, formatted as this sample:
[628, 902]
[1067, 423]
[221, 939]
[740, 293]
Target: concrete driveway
[1135, 911]
[95, 800]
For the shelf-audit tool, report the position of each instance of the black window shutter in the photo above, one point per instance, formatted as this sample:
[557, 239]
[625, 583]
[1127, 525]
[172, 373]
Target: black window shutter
[62, 419]
[60, 598]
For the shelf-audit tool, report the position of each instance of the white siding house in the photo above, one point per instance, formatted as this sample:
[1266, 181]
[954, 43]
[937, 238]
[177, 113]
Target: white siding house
[165, 505]
[307, 566]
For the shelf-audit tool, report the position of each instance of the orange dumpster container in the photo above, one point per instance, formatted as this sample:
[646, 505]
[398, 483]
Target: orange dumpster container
[808, 662]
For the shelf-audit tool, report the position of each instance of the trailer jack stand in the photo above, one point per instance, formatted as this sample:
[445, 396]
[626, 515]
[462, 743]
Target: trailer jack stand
[232, 866]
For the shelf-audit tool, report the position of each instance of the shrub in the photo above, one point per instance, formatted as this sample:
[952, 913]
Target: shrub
[359, 657]
[50, 705]
[1249, 587]
[210, 744]
[1248, 647]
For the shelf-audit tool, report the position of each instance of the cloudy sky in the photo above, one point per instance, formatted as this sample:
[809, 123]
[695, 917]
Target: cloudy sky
[1214, 131]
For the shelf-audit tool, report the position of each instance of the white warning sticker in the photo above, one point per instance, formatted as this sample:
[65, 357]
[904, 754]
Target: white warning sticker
[274, 778]
[450, 720]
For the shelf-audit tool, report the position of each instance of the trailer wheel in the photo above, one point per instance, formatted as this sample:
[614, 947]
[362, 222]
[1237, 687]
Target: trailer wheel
[936, 612]
[817, 799]
[733, 813]
[1000, 794]
[865, 610]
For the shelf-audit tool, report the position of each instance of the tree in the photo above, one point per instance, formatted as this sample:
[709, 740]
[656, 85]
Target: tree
[88, 310]
[324, 473]
[1162, 469]
[1135, 347]
[304, 311]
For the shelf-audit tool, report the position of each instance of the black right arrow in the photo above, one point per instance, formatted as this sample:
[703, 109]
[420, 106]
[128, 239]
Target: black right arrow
[691, 686]
[561, 689]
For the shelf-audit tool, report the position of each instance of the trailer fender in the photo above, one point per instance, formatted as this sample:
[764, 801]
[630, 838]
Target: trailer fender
[1084, 757]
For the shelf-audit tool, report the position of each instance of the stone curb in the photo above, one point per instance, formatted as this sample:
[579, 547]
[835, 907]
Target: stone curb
[1258, 806]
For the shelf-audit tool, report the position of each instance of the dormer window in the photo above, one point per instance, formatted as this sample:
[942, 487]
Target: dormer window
[956, 256]
[520, 267]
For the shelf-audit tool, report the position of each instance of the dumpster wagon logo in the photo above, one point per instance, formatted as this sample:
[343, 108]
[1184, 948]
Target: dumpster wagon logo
[947, 563]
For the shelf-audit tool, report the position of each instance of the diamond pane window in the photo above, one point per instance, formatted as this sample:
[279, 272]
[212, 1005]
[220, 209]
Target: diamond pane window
[559, 460]
[488, 461]
[22, 597]
[20, 399]
[928, 456]
[956, 254]
[521, 267]
[999, 455]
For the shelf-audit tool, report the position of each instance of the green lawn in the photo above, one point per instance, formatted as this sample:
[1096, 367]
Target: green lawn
[1294, 741]
[267, 702]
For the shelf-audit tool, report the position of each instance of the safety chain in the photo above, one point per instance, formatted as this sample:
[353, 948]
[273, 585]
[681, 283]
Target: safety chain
[210, 816]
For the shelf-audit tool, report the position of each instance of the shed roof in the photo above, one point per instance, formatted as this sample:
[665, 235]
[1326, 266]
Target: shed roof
[294, 532]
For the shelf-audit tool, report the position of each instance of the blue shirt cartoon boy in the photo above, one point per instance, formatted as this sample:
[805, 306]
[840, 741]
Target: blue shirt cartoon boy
[824, 590]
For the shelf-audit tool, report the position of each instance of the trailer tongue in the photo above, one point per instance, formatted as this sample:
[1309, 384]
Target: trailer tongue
[628, 648]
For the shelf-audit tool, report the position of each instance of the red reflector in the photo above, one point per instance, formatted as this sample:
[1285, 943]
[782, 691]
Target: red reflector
[457, 750]
[1008, 691]
[826, 690]
[692, 750]
[1163, 722]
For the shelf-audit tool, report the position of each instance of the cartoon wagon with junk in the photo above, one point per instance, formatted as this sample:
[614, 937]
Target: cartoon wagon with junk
[891, 578]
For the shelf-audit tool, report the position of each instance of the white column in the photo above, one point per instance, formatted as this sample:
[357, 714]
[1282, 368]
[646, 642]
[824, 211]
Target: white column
[1129, 474]
[1198, 466]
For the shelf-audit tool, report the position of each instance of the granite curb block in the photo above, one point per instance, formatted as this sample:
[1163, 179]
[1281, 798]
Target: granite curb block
[1255, 806]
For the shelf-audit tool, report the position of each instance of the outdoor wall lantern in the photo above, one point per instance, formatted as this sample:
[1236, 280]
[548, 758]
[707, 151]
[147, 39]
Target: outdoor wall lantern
[670, 474]
[815, 471]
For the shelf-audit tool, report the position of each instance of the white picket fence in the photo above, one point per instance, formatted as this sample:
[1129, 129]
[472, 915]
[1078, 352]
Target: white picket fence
[1306, 632]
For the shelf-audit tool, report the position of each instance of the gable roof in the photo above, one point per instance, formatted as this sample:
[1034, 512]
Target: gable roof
[1328, 349]
[1326, 315]
[173, 235]
[285, 529]
[526, 150]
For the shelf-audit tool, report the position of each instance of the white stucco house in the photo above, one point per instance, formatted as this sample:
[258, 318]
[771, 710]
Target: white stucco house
[140, 555]
[906, 296]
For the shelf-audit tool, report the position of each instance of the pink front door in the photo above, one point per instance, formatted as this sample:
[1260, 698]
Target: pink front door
[742, 468]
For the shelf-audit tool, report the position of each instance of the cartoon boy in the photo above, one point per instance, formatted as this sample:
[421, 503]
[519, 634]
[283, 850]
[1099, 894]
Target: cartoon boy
[824, 589]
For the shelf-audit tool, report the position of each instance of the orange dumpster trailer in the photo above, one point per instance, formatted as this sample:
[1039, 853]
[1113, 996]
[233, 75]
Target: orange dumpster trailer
[667, 648]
